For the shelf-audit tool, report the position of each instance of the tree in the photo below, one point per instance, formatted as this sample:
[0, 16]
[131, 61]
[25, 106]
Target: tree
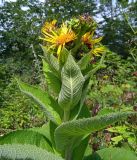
[116, 27]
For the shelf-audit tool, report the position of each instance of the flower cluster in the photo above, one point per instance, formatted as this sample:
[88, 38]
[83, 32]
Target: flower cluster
[76, 35]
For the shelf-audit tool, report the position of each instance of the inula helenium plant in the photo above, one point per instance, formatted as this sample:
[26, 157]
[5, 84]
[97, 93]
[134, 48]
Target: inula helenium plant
[73, 53]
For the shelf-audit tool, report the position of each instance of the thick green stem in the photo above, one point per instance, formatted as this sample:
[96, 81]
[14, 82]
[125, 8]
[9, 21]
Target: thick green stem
[67, 151]
[67, 154]
[66, 115]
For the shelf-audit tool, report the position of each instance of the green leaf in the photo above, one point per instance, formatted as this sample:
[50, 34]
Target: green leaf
[98, 67]
[80, 112]
[63, 56]
[104, 111]
[72, 84]
[52, 130]
[25, 152]
[48, 131]
[94, 70]
[51, 60]
[27, 137]
[80, 149]
[118, 129]
[44, 130]
[84, 61]
[54, 83]
[82, 100]
[43, 99]
[69, 131]
[114, 154]
[117, 139]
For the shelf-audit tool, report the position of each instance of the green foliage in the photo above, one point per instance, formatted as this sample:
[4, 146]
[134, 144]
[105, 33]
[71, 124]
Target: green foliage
[114, 153]
[16, 110]
[124, 133]
[66, 9]
[31, 152]
[119, 28]
[114, 89]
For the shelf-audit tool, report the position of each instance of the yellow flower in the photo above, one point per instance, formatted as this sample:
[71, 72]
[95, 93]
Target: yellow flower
[48, 26]
[87, 38]
[98, 50]
[91, 42]
[59, 37]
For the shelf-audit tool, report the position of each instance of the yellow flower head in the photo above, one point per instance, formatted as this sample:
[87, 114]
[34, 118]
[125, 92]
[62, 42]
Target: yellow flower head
[66, 35]
[91, 42]
[48, 26]
[59, 38]
[87, 39]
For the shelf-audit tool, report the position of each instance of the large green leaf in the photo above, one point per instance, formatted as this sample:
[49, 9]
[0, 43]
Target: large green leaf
[25, 152]
[27, 137]
[43, 100]
[113, 154]
[54, 83]
[72, 84]
[79, 148]
[68, 132]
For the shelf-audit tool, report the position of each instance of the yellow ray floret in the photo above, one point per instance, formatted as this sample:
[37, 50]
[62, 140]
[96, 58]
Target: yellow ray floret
[59, 37]
[87, 38]
[98, 50]
[48, 26]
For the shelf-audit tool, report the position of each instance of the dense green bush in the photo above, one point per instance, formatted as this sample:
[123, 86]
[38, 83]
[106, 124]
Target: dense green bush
[18, 111]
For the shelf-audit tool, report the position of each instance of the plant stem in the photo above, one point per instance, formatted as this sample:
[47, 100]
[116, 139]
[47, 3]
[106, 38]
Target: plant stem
[67, 151]
[67, 155]
[66, 115]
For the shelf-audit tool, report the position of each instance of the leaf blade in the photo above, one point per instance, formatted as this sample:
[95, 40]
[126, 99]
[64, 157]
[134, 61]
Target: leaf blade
[114, 153]
[68, 131]
[43, 99]
[54, 83]
[72, 83]
[27, 137]
[23, 152]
